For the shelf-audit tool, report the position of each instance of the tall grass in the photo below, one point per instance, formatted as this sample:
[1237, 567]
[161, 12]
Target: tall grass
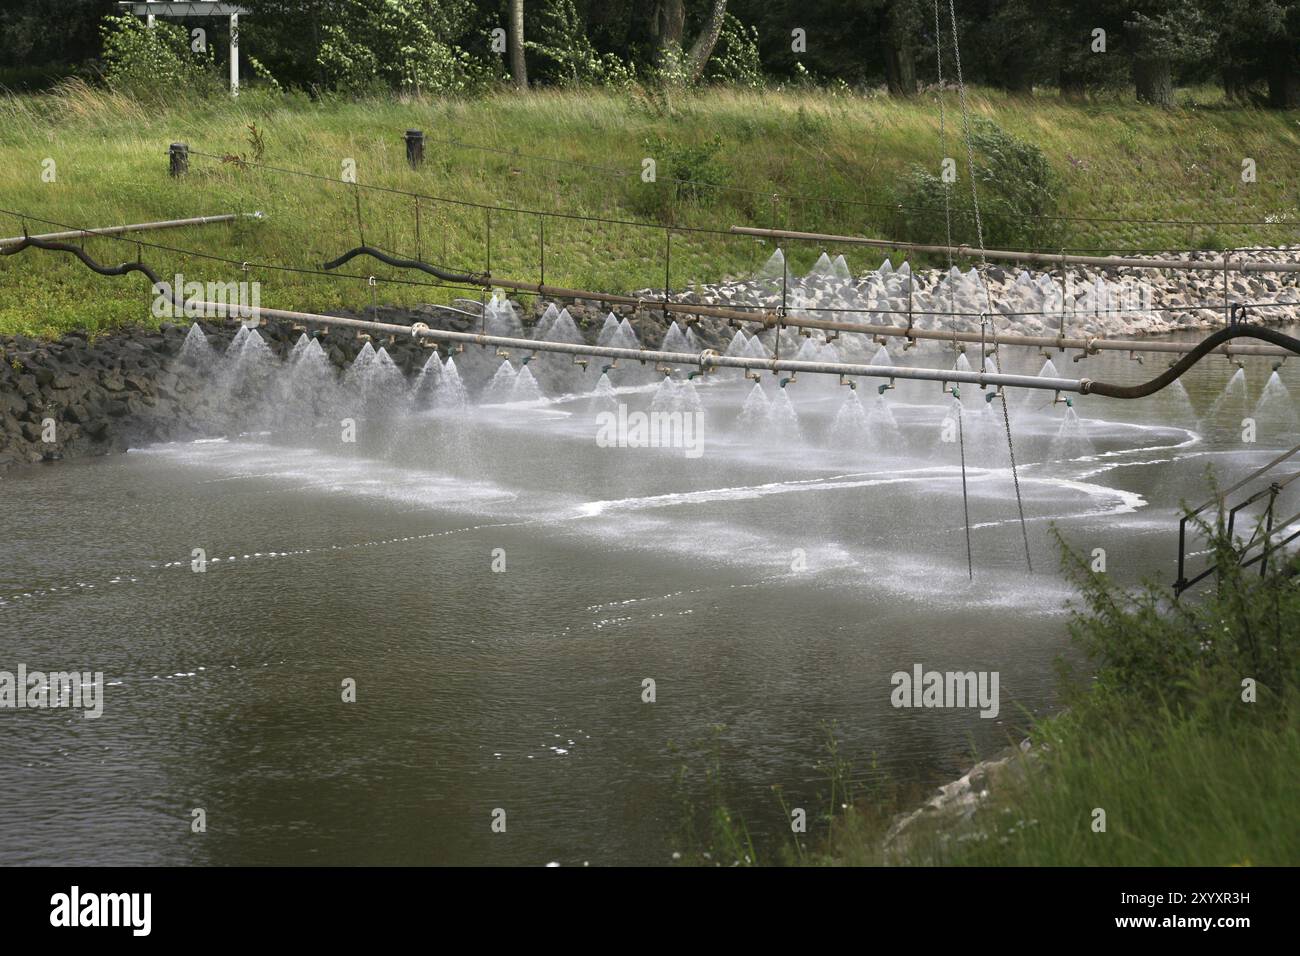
[110, 154]
[1179, 787]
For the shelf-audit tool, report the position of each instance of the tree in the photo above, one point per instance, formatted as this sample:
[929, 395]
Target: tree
[1257, 42]
[667, 23]
[703, 46]
[902, 27]
[1283, 50]
[1013, 39]
[1162, 35]
[666, 27]
[518, 65]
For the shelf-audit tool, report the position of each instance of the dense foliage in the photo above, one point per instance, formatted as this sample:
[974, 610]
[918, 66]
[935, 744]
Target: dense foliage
[1250, 47]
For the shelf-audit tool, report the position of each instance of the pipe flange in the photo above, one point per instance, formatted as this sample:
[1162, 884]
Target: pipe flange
[417, 328]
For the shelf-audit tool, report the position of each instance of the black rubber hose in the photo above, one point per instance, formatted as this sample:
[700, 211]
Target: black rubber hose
[464, 278]
[31, 242]
[1212, 342]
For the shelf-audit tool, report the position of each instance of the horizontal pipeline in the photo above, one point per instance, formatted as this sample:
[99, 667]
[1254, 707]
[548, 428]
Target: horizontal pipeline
[132, 227]
[1090, 345]
[707, 359]
[772, 319]
[1114, 262]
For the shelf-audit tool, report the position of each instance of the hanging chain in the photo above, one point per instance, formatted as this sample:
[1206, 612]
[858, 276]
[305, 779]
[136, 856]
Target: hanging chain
[952, 290]
[965, 500]
[979, 235]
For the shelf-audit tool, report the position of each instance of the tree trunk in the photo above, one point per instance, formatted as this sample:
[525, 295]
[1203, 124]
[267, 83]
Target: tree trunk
[518, 65]
[900, 63]
[1283, 80]
[703, 46]
[1154, 79]
[1233, 87]
[1017, 78]
[667, 24]
[1071, 82]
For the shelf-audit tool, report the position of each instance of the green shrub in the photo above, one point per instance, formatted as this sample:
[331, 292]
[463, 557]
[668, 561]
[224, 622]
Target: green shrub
[401, 44]
[567, 55]
[1017, 188]
[1148, 646]
[684, 172]
[736, 60]
[155, 62]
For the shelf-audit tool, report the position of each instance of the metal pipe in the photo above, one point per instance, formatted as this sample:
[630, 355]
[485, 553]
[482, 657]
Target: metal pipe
[1120, 262]
[776, 320]
[132, 227]
[704, 360]
[1091, 345]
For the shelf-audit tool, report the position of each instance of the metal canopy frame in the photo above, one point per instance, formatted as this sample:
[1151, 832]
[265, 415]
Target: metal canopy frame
[197, 8]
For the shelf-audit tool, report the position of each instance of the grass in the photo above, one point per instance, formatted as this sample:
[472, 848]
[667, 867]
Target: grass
[1179, 788]
[1112, 159]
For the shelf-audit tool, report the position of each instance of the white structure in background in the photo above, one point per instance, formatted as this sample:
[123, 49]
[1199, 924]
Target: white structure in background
[149, 9]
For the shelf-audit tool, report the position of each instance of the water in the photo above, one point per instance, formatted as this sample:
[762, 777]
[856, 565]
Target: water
[768, 587]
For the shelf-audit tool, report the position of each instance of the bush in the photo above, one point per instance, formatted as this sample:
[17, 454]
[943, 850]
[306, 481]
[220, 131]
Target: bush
[736, 59]
[568, 57]
[1194, 650]
[402, 44]
[155, 62]
[1017, 190]
[684, 172]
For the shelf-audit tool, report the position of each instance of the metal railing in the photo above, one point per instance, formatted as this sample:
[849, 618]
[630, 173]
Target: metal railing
[1261, 537]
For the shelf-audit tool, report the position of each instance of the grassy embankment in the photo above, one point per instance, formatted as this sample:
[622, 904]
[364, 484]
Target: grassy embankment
[1157, 733]
[1111, 159]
